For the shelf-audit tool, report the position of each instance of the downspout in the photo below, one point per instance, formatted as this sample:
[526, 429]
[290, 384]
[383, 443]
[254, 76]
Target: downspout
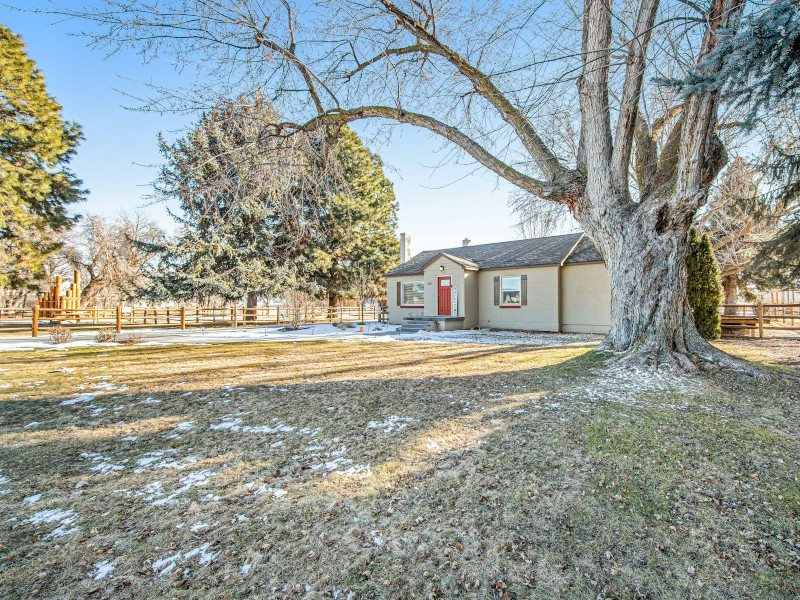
[560, 265]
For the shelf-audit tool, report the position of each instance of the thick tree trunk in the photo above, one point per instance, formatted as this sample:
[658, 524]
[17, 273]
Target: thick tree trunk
[651, 322]
[731, 286]
[252, 304]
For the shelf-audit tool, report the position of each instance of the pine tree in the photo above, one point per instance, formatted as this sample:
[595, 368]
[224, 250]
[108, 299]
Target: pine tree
[759, 70]
[246, 200]
[36, 186]
[357, 224]
[703, 285]
[263, 213]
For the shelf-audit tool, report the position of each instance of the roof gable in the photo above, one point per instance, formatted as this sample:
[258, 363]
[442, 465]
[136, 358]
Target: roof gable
[533, 252]
[585, 252]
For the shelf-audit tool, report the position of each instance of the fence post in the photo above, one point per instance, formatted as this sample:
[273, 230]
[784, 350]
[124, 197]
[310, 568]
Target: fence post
[119, 319]
[183, 317]
[760, 319]
[35, 322]
[235, 315]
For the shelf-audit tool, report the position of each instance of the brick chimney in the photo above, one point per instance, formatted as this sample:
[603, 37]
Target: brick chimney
[466, 242]
[405, 247]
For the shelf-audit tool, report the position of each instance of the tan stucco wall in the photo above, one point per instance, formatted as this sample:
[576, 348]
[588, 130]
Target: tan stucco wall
[471, 304]
[432, 274]
[397, 313]
[585, 298]
[541, 312]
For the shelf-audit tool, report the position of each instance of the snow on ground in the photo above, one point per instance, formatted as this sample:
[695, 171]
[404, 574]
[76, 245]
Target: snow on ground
[393, 423]
[64, 518]
[373, 332]
[102, 569]
[165, 565]
[482, 336]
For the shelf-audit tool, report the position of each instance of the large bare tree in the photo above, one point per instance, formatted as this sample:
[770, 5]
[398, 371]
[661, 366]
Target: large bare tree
[484, 75]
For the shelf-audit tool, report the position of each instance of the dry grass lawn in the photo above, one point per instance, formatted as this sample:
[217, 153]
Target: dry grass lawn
[397, 470]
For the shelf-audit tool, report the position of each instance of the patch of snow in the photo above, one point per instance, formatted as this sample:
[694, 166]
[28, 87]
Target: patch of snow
[103, 465]
[65, 518]
[185, 426]
[245, 569]
[28, 500]
[205, 556]
[356, 472]
[77, 400]
[393, 423]
[32, 424]
[165, 565]
[465, 336]
[102, 569]
[277, 493]
[195, 479]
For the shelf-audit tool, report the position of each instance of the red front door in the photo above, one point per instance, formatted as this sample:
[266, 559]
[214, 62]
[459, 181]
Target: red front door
[444, 296]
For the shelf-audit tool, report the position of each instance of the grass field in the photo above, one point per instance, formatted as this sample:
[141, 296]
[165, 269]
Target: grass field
[398, 470]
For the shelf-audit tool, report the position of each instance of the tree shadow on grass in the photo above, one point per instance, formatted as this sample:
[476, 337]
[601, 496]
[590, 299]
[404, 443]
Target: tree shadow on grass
[429, 483]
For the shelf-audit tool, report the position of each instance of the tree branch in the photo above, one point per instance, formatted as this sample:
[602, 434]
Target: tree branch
[482, 83]
[566, 189]
[421, 48]
[631, 91]
[700, 147]
[593, 90]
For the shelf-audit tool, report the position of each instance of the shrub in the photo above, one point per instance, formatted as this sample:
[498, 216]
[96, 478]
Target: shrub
[105, 335]
[343, 325]
[703, 285]
[296, 303]
[59, 334]
[131, 340]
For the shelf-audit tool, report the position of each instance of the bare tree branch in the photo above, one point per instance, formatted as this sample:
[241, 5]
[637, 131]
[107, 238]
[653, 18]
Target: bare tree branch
[563, 190]
[631, 91]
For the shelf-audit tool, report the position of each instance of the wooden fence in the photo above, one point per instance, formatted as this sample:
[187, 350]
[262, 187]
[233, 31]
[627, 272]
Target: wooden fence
[118, 317]
[754, 319]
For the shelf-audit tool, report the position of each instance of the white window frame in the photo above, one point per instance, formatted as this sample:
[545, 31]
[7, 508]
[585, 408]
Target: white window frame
[518, 289]
[411, 304]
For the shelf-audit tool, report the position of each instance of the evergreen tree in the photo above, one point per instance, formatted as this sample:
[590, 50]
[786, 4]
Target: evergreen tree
[36, 186]
[246, 200]
[704, 291]
[357, 224]
[759, 70]
[264, 213]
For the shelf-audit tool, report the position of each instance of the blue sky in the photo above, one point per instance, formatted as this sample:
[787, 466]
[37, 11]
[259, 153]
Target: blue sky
[438, 206]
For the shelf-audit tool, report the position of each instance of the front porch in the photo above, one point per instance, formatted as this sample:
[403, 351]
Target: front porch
[412, 325]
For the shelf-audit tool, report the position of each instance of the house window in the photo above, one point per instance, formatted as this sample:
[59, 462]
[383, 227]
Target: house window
[511, 291]
[414, 293]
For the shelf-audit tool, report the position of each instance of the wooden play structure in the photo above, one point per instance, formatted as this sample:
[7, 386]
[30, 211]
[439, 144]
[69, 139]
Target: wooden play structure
[55, 305]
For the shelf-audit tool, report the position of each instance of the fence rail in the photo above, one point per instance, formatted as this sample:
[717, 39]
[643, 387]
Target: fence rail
[758, 317]
[182, 316]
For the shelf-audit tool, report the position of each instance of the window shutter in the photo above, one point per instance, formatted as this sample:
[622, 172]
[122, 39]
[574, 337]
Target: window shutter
[497, 291]
[399, 294]
[523, 283]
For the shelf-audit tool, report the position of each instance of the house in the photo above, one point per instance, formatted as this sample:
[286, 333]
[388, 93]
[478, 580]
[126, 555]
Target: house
[557, 283]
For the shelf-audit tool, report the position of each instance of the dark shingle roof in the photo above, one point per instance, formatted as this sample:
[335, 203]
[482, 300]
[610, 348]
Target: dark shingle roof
[585, 252]
[535, 252]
